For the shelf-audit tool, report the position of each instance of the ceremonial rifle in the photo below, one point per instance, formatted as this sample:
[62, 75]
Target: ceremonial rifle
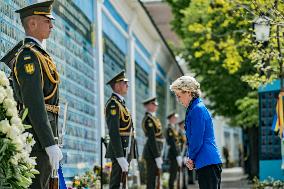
[159, 171]
[57, 178]
[124, 175]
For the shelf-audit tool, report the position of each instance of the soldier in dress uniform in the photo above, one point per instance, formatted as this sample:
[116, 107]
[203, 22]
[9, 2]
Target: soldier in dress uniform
[152, 150]
[120, 127]
[35, 83]
[174, 157]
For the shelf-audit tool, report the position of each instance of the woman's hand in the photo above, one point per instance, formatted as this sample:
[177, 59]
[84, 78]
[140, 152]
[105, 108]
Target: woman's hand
[189, 163]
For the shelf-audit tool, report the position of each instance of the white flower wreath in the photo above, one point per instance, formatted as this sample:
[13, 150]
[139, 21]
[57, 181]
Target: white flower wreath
[17, 168]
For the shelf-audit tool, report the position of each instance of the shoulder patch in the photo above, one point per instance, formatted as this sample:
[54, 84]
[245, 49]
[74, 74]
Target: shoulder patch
[113, 111]
[29, 68]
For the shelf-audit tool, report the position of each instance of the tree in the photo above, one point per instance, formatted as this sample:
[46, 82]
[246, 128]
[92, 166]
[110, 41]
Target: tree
[216, 49]
[221, 50]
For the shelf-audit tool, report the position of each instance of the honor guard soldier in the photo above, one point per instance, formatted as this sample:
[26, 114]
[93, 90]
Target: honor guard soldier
[35, 83]
[174, 157]
[152, 128]
[189, 179]
[120, 127]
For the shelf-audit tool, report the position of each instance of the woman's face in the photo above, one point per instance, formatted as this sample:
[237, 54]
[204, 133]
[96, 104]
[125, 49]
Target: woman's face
[183, 97]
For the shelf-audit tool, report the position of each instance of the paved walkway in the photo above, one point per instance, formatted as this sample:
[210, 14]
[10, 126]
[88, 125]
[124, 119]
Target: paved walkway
[232, 178]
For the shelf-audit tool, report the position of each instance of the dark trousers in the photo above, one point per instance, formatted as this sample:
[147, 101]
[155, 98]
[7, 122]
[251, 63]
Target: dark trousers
[152, 170]
[209, 177]
[173, 172]
[41, 180]
[115, 176]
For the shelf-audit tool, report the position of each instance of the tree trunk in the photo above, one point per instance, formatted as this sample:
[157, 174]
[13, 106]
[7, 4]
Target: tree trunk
[253, 156]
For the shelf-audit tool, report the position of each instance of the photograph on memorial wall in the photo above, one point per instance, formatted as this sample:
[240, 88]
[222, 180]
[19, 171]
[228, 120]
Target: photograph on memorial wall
[161, 91]
[11, 30]
[142, 92]
[114, 61]
[76, 64]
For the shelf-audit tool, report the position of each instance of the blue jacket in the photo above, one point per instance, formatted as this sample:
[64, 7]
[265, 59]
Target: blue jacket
[201, 143]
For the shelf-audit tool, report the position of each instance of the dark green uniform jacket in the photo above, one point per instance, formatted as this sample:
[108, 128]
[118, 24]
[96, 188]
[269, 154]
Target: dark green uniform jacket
[182, 142]
[35, 83]
[119, 124]
[173, 142]
[153, 131]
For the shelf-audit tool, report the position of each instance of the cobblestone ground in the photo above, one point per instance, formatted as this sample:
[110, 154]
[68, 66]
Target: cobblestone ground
[241, 184]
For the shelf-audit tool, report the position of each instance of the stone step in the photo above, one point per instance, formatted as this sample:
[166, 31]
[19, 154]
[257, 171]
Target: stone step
[233, 174]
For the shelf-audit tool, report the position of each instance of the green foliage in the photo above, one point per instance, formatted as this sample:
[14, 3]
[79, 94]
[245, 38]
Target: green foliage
[219, 45]
[248, 107]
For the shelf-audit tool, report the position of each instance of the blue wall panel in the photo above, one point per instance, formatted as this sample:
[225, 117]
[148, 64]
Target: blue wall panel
[271, 168]
[142, 93]
[114, 34]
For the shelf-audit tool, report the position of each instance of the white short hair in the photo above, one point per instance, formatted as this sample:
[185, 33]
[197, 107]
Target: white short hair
[186, 84]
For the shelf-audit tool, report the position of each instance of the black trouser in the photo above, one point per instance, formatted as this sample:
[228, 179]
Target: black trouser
[41, 181]
[152, 170]
[115, 176]
[209, 177]
[173, 172]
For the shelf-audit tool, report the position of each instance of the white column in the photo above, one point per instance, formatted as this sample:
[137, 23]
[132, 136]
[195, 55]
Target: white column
[99, 61]
[167, 97]
[131, 73]
[154, 70]
[232, 147]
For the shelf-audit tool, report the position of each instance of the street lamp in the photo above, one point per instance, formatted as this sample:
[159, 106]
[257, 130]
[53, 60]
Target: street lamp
[261, 27]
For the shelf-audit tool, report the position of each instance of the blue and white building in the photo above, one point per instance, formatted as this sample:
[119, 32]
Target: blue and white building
[91, 41]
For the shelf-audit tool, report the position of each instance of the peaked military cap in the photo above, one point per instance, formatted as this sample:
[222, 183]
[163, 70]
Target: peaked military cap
[151, 99]
[118, 77]
[43, 8]
[11, 54]
[172, 114]
[181, 122]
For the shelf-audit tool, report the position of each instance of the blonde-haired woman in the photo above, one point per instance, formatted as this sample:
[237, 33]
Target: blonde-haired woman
[202, 152]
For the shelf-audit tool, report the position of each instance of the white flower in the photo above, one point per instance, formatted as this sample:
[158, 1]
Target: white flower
[3, 79]
[9, 93]
[9, 103]
[12, 112]
[18, 143]
[14, 160]
[3, 94]
[28, 148]
[4, 126]
[16, 121]
[13, 133]
[2, 97]
[31, 161]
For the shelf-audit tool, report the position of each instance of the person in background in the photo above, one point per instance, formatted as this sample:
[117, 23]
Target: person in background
[226, 156]
[119, 123]
[174, 157]
[35, 82]
[152, 128]
[203, 154]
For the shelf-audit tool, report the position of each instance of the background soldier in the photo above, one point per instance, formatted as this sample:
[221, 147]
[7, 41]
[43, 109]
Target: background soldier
[152, 150]
[119, 124]
[35, 83]
[174, 150]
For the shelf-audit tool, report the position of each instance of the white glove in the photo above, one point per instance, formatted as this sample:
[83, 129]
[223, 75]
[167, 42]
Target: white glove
[159, 162]
[123, 164]
[185, 159]
[179, 161]
[55, 155]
